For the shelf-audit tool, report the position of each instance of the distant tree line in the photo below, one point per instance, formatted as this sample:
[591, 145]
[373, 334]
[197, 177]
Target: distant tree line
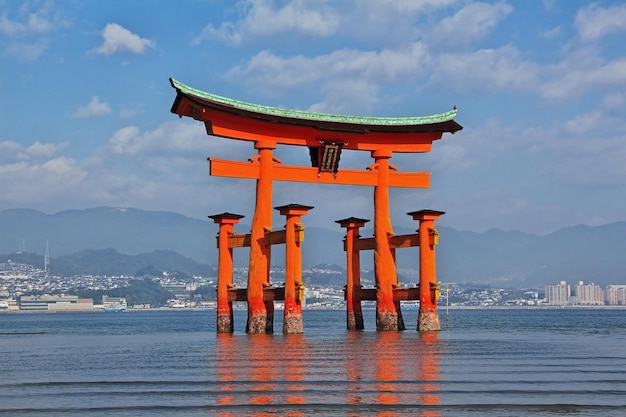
[139, 291]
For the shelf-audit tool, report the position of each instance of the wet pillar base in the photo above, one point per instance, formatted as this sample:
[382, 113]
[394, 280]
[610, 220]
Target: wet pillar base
[256, 324]
[292, 324]
[387, 321]
[428, 320]
[225, 324]
[355, 321]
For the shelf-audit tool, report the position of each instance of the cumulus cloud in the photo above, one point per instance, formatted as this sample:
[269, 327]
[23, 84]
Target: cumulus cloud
[28, 21]
[593, 21]
[26, 29]
[93, 109]
[337, 71]
[11, 152]
[170, 137]
[119, 39]
[614, 101]
[40, 150]
[341, 96]
[410, 6]
[576, 80]
[261, 18]
[579, 164]
[469, 24]
[170, 174]
[37, 172]
[495, 70]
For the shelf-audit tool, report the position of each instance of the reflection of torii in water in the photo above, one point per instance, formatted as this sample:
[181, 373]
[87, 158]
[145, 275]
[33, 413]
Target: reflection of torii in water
[325, 135]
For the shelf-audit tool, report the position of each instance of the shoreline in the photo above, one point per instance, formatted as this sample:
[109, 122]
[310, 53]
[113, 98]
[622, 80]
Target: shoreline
[439, 308]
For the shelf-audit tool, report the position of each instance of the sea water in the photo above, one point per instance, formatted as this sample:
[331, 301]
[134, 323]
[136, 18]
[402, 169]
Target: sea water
[525, 362]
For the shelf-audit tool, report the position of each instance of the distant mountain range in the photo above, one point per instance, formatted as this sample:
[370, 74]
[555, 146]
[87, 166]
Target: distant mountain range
[111, 262]
[131, 238]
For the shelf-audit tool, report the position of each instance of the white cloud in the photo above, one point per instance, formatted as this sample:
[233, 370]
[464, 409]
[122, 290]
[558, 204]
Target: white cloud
[409, 6]
[551, 33]
[494, 70]
[94, 108]
[342, 96]
[30, 180]
[11, 152]
[27, 29]
[164, 175]
[40, 150]
[584, 123]
[170, 137]
[471, 23]
[587, 150]
[119, 39]
[309, 17]
[340, 71]
[126, 140]
[593, 21]
[596, 162]
[573, 81]
[263, 18]
[25, 51]
[614, 101]
[28, 21]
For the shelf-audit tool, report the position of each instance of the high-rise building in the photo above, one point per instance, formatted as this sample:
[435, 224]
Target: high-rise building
[558, 295]
[615, 295]
[588, 294]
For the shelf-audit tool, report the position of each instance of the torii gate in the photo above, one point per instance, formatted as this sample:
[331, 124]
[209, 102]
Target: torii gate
[326, 135]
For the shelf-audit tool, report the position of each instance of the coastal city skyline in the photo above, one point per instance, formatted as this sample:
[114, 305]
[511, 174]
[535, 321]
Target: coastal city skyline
[28, 288]
[539, 87]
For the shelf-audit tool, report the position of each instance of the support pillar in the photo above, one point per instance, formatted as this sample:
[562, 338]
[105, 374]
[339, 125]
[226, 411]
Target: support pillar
[428, 318]
[260, 312]
[226, 221]
[388, 313]
[294, 288]
[354, 317]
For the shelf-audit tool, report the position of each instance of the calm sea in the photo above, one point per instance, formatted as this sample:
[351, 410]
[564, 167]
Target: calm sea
[483, 363]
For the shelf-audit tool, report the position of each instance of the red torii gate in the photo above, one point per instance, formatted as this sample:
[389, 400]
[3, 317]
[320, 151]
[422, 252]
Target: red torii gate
[326, 135]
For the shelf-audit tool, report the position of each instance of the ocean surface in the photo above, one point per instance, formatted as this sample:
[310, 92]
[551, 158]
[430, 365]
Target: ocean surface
[527, 362]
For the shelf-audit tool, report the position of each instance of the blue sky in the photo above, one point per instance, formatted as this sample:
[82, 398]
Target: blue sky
[540, 85]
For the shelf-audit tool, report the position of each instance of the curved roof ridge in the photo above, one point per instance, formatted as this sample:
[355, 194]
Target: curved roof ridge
[317, 116]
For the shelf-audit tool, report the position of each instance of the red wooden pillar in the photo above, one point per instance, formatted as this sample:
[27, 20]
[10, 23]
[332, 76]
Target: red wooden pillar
[225, 270]
[354, 317]
[428, 319]
[388, 314]
[260, 312]
[294, 235]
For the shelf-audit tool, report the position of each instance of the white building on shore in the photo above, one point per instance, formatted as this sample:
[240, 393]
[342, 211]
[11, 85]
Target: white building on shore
[615, 295]
[558, 295]
[587, 295]
[62, 302]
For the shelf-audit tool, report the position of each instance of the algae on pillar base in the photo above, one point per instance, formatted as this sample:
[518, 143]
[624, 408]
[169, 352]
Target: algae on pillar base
[428, 320]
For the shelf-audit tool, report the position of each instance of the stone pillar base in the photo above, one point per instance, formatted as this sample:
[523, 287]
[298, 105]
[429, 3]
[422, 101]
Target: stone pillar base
[292, 324]
[256, 325]
[224, 324]
[428, 320]
[387, 321]
[355, 321]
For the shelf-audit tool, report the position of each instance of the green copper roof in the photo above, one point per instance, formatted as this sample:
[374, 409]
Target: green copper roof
[307, 115]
